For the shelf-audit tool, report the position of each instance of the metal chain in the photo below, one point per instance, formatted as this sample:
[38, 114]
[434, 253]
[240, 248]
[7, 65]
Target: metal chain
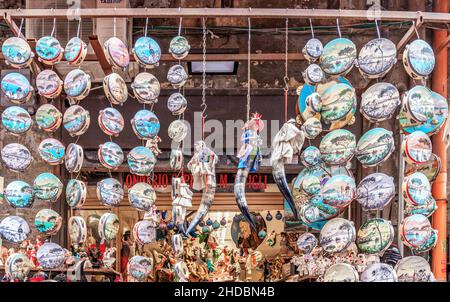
[248, 68]
[203, 105]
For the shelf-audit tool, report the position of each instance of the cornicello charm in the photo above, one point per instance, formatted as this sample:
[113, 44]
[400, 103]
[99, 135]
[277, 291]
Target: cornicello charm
[75, 193]
[417, 107]
[418, 59]
[47, 187]
[145, 124]
[142, 196]
[74, 158]
[110, 155]
[306, 242]
[313, 74]
[17, 266]
[312, 50]
[379, 272]
[108, 226]
[176, 159]
[77, 230]
[111, 121]
[17, 52]
[178, 129]
[14, 229]
[75, 51]
[337, 235]
[338, 56]
[176, 103]
[414, 269]
[337, 147]
[141, 161]
[115, 88]
[49, 84]
[48, 222]
[177, 76]
[49, 50]
[339, 191]
[76, 120]
[377, 57]
[379, 102]
[341, 272]
[52, 151]
[19, 194]
[16, 88]
[16, 157]
[417, 148]
[144, 232]
[50, 255]
[147, 52]
[16, 120]
[417, 189]
[77, 84]
[146, 88]
[140, 267]
[179, 47]
[375, 191]
[374, 147]
[116, 53]
[375, 236]
[48, 118]
[110, 192]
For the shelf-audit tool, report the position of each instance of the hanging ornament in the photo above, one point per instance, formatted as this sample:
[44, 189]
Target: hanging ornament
[116, 52]
[141, 161]
[146, 88]
[278, 216]
[77, 84]
[77, 230]
[50, 255]
[177, 76]
[418, 59]
[145, 124]
[47, 222]
[110, 192]
[14, 229]
[48, 118]
[17, 51]
[111, 121]
[379, 102]
[374, 147]
[16, 157]
[115, 88]
[146, 50]
[76, 192]
[313, 48]
[19, 194]
[179, 46]
[76, 50]
[49, 84]
[47, 187]
[76, 120]
[177, 103]
[223, 221]
[108, 226]
[16, 88]
[48, 49]
[142, 196]
[110, 155]
[269, 216]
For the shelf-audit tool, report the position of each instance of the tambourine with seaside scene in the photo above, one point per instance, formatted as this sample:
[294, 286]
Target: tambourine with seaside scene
[147, 52]
[418, 59]
[49, 84]
[116, 53]
[146, 88]
[75, 51]
[49, 50]
[17, 52]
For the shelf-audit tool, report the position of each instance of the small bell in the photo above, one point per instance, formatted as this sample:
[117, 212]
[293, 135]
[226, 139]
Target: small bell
[279, 216]
[215, 225]
[223, 222]
[269, 216]
[209, 222]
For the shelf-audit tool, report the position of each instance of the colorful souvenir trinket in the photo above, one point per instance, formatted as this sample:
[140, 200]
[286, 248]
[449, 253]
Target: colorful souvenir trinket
[49, 84]
[379, 272]
[178, 129]
[16, 88]
[17, 266]
[374, 147]
[338, 56]
[339, 191]
[312, 128]
[48, 222]
[77, 229]
[76, 193]
[377, 57]
[75, 51]
[48, 50]
[375, 191]
[76, 120]
[110, 155]
[179, 47]
[417, 148]
[417, 189]
[141, 161]
[115, 88]
[375, 236]
[341, 272]
[110, 192]
[16, 157]
[48, 118]
[140, 267]
[74, 158]
[47, 187]
[416, 230]
[176, 159]
[431, 168]
[19, 194]
[177, 76]
[116, 53]
[14, 229]
[176, 103]
[17, 52]
[146, 88]
[337, 235]
[145, 124]
[111, 121]
[338, 100]
[77, 85]
[147, 52]
[142, 196]
[414, 269]
[306, 242]
[50, 255]
[16, 120]
[108, 226]
[337, 147]
[418, 59]
[313, 74]
[52, 151]
[379, 102]
[310, 157]
[144, 232]
[417, 107]
[312, 50]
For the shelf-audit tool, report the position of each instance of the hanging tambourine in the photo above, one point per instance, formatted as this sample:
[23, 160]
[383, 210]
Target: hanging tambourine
[337, 235]
[177, 131]
[50, 255]
[140, 267]
[110, 155]
[176, 103]
[47, 222]
[310, 157]
[76, 193]
[177, 76]
[179, 47]
[417, 189]
[18, 266]
[417, 148]
[379, 102]
[74, 158]
[338, 56]
[115, 88]
[431, 168]
[418, 59]
[49, 84]
[306, 242]
[144, 232]
[427, 245]
[116, 53]
[77, 84]
[374, 147]
[16, 157]
[375, 191]
[312, 50]
[17, 52]
[176, 159]
[49, 50]
[75, 51]
[338, 100]
[312, 127]
[416, 231]
[414, 269]
[337, 147]
[341, 272]
[111, 121]
[310, 185]
[76, 120]
[146, 88]
[142, 196]
[182, 271]
[313, 74]
[141, 161]
[426, 209]
[16, 120]
[339, 191]
[145, 124]
[52, 151]
[313, 106]
[375, 236]
[147, 52]
[77, 229]
[14, 229]
[110, 192]
[376, 58]
[379, 272]
[48, 118]
[47, 187]
[19, 194]
[417, 107]
[108, 226]
[16, 88]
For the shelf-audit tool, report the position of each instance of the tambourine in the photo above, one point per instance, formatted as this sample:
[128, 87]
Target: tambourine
[341, 272]
[375, 191]
[19, 194]
[75, 51]
[141, 161]
[17, 52]
[431, 168]
[140, 267]
[49, 84]
[379, 272]
[417, 107]
[17, 266]
[182, 271]
[417, 148]
[49, 50]
[76, 192]
[177, 244]
[374, 147]
[416, 189]
[310, 157]
[144, 232]
[426, 209]
[418, 59]
[312, 106]
[47, 222]
[313, 74]
[177, 131]
[428, 245]
[108, 226]
[312, 128]
[16, 88]
[16, 157]
[414, 269]
[176, 103]
[16, 120]
[376, 58]
[338, 56]
[310, 185]
[116, 53]
[337, 147]
[115, 88]
[110, 155]
[145, 124]
[14, 229]
[77, 84]
[146, 88]
[76, 120]
[338, 100]
[306, 242]
[110, 192]
[177, 76]
[52, 151]
[147, 52]
[312, 50]
[179, 47]
[416, 230]
[142, 196]
[315, 210]
[337, 235]
[47, 187]
[176, 159]
[77, 230]
[379, 102]
[375, 236]
[48, 118]
[74, 158]
[339, 191]
[50, 255]
[111, 121]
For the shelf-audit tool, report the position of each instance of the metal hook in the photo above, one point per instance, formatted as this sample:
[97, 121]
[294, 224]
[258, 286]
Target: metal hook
[312, 29]
[338, 28]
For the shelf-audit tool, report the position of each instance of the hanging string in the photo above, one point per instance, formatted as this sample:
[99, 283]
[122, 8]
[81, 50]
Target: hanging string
[54, 27]
[415, 28]
[114, 30]
[20, 28]
[378, 29]
[249, 50]
[146, 26]
[312, 29]
[179, 26]
[203, 105]
[286, 78]
[79, 28]
[338, 28]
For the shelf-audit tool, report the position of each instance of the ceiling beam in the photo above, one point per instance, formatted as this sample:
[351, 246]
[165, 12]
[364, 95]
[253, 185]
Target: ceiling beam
[100, 54]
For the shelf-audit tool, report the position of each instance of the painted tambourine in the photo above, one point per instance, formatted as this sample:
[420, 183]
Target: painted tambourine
[176, 159]
[116, 53]
[16, 120]
[431, 168]
[145, 124]
[110, 155]
[310, 157]
[75, 51]
[74, 158]
[310, 185]
[49, 84]
[177, 131]
[76, 120]
[426, 209]
[379, 272]
[146, 88]
[110, 192]
[76, 192]
[111, 121]
[312, 50]
[375, 236]
[312, 127]
[52, 151]
[313, 74]
[377, 57]
[337, 235]
[177, 103]
[17, 52]
[418, 59]
[147, 52]
[144, 232]
[338, 56]
[16, 88]
[339, 191]
[50, 255]
[17, 266]
[47, 222]
[414, 269]
[115, 88]
[141, 160]
[416, 189]
[49, 50]
[341, 272]
[77, 84]
[338, 100]
[428, 245]
[47, 187]
[14, 229]
[313, 106]
[416, 231]
[375, 191]
[142, 196]
[337, 147]
[19, 194]
[48, 118]
[177, 76]
[108, 226]
[179, 47]
[140, 267]
[315, 210]
[16, 157]
[417, 148]
[417, 107]
[77, 229]
[374, 147]
[379, 102]
[306, 242]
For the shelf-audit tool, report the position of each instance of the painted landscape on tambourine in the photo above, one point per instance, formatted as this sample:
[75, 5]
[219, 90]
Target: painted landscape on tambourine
[375, 191]
[380, 101]
[377, 56]
[374, 146]
[337, 101]
[16, 50]
[147, 50]
[75, 83]
[421, 57]
[338, 56]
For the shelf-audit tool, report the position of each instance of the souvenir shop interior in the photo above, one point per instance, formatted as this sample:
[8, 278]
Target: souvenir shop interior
[225, 140]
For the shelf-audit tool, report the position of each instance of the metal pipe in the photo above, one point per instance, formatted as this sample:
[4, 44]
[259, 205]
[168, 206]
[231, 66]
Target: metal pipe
[401, 201]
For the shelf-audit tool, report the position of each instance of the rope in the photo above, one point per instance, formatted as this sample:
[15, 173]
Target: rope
[179, 26]
[378, 29]
[146, 26]
[20, 28]
[114, 33]
[54, 27]
[248, 69]
[312, 29]
[79, 27]
[338, 28]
